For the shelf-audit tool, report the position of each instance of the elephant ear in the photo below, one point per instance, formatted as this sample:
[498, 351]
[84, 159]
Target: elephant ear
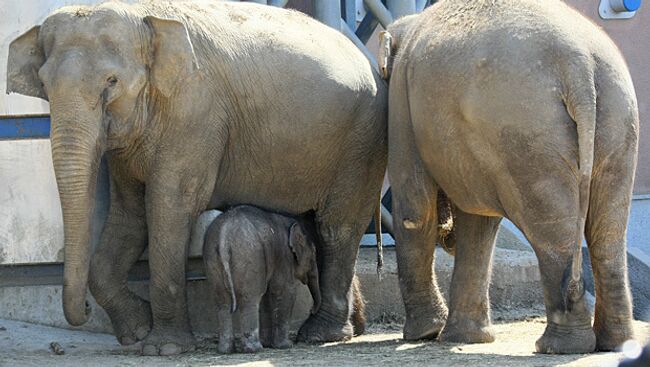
[386, 49]
[299, 246]
[173, 54]
[25, 59]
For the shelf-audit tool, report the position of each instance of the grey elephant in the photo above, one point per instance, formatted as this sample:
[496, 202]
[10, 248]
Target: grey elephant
[201, 105]
[519, 109]
[251, 259]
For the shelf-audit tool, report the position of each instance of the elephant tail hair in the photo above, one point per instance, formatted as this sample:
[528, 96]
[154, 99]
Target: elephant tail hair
[225, 262]
[580, 100]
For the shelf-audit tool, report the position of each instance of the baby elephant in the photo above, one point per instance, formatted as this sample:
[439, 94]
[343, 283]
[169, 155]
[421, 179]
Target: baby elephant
[252, 257]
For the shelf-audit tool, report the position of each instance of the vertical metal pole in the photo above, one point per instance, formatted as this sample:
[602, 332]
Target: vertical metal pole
[350, 13]
[328, 12]
[400, 8]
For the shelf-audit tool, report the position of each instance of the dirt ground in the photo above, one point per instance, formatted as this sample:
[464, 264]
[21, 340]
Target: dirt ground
[23, 344]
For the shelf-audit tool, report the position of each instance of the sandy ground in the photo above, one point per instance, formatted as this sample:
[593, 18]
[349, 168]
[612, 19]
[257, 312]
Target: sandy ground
[23, 344]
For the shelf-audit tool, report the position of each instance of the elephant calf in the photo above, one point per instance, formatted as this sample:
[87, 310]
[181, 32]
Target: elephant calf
[252, 256]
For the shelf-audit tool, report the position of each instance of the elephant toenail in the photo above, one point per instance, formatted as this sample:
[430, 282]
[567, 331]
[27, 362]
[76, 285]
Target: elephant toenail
[149, 350]
[170, 349]
[127, 340]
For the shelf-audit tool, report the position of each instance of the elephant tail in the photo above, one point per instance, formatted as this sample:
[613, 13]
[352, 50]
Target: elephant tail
[580, 100]
[225, 262]
[380, 245]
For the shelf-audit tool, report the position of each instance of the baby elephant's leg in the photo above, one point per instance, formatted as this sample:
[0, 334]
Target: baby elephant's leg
[266, 310]
[281, 302]
[246, 319]
[225, 328]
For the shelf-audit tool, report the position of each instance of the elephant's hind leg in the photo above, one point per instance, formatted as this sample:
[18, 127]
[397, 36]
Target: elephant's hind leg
[608, 214]
[415, 222]
[553, 237]
[123, 240]
[469, 304]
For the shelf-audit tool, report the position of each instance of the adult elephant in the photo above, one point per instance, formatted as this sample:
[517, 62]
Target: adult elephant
[201, 105]
[520, 109]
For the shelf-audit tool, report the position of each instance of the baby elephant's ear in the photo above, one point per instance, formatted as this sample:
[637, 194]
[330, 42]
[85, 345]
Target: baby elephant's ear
[298, 243]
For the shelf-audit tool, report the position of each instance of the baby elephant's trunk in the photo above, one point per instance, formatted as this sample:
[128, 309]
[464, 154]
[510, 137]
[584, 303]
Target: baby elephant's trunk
[314, 289]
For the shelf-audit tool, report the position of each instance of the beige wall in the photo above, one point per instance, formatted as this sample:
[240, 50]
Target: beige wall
[632, 37]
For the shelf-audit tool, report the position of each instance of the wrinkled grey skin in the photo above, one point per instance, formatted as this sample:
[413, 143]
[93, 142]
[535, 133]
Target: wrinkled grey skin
[505, 106]
[251, 258]
[201, 105]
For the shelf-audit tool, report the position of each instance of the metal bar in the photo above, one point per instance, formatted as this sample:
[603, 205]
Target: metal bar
[350, 16]
[353, 37]
[52, 273]
[420, 5]
[328, 12]
[380, 11]
[278, 3]
[367, 27]
[25, 127]
[400, 8]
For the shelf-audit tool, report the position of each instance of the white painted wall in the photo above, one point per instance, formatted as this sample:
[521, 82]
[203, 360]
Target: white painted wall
[31, 228]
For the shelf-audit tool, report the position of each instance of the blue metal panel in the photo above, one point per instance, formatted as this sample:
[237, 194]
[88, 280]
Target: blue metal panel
[34, 127]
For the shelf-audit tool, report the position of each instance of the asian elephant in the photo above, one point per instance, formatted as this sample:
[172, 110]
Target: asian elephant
[520, 109]
[252, 258]
[201, 105]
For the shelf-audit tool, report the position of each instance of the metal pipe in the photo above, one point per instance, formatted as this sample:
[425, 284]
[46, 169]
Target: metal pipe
[351, 13]
[328, 12]
[278, 3]
[379, 10]
[419, 5]
[353, 37]
[400, 8]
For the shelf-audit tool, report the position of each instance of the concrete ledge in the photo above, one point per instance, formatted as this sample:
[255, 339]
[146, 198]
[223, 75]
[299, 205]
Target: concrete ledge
[515, 291]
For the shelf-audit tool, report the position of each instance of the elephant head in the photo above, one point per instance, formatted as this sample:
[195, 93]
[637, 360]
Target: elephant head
[101, 69]
[306, 269]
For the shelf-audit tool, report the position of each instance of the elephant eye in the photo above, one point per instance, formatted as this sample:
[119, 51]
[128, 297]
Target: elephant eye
[112, 81]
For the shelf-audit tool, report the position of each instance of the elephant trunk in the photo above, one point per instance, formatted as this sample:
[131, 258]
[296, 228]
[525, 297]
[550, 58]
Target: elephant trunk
[77, 148]
[314, 289]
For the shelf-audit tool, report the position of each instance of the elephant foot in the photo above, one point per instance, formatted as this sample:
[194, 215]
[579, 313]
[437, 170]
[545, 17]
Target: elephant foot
[318, 330]
[133, 323]
[559, 339]
[423, 327]
[248, 344]
[282, 344]
[608, 339]
[225, 345]
[468, 332]
[168, 342]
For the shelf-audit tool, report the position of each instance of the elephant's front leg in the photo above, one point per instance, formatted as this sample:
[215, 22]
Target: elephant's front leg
[171, 210]
[123, 240]
[337, 257]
